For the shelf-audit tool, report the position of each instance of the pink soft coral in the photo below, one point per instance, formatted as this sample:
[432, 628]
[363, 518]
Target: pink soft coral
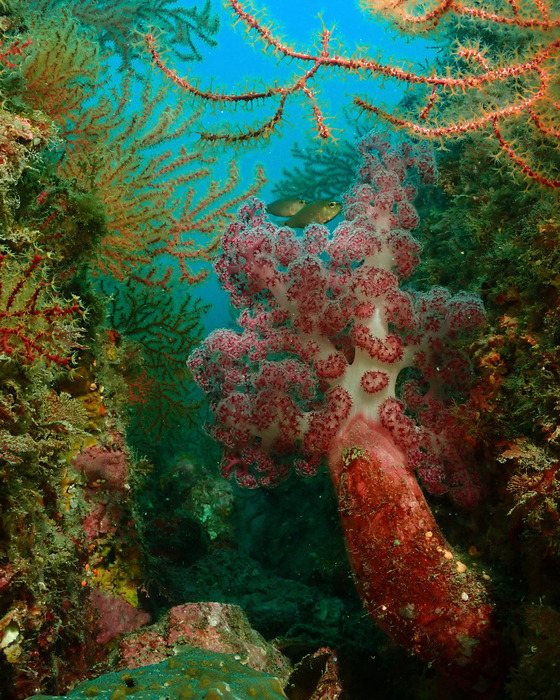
[326, 333]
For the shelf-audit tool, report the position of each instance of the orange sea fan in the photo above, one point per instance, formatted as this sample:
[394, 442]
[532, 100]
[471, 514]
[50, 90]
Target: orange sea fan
[163, 196]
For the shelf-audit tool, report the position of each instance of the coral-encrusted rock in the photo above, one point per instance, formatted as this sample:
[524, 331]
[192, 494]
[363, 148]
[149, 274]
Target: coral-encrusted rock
[103, 466]
[215, 626]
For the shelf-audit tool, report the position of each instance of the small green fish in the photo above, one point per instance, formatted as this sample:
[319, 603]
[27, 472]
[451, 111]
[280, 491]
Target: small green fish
[288, 206]
[320, 211]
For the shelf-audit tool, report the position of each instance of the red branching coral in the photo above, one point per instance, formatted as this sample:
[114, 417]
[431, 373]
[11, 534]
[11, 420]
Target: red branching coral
[35, 324]
[498, 90]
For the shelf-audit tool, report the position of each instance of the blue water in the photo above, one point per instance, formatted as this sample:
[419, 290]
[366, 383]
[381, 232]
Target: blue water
[239, 60]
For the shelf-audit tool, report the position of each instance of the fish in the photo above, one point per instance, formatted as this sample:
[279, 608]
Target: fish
[287, 206]
[319, 211]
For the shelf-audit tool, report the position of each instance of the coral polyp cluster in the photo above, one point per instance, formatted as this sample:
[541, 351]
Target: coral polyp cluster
[326, 335]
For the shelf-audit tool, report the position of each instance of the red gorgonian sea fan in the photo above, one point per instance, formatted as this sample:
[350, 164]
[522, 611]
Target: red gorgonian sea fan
[36, 325]
[495, 74]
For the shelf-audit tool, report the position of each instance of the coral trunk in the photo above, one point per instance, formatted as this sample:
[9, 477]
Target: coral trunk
[406, 573]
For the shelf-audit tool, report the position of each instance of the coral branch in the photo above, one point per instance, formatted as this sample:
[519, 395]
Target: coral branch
[155, 206]
[115, 23]
[508, 86]
[15, 49]
[163, 329]
[35, 325]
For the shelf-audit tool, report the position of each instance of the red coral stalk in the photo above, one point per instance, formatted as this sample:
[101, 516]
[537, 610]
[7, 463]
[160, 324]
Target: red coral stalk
[408, 577]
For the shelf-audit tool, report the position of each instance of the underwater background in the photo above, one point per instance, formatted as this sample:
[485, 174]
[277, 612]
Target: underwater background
[279, 349]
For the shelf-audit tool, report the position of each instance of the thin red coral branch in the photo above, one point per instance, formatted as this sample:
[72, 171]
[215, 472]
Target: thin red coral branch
[16, 49]
[509, 88]
[35, 323]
